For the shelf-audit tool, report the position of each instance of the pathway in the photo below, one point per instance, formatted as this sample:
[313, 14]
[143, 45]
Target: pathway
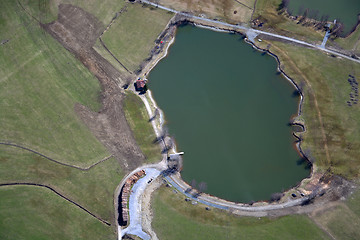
[326, 37]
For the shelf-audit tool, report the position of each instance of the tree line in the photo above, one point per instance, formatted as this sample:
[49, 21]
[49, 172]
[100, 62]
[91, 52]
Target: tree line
[312, 17]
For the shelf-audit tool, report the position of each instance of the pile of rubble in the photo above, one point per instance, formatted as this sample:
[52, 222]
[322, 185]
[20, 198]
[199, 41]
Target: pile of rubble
[125, 193]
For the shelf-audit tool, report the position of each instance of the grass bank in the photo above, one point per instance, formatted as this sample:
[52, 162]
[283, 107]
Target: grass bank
[352, 42]
[138, 119]
[266, 11]
[175, 218]
[28, 212]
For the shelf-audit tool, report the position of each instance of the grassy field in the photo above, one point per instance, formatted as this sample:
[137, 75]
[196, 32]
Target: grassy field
[132, 35]
[332, 138]
[46, 10]
[138, 119]
[226, 10]
[93, 189]
[340, 222]
[343, 220]
[28, 212]
[39, 84]
[175, 218]
[105, 54]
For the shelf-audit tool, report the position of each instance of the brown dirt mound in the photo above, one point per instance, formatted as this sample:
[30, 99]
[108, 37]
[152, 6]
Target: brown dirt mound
[77, 31]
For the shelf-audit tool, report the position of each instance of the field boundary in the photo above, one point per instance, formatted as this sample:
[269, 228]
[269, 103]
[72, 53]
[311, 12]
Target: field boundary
[57, 193]
[53, 160]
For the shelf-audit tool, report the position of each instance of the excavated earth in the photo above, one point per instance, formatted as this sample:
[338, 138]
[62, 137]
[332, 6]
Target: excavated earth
[77, 30]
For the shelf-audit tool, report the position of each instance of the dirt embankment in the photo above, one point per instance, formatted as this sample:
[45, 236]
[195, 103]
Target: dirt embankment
[77, 30]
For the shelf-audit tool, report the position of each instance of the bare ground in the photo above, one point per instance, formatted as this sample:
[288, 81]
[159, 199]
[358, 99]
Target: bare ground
[77, 30]
[147, 213]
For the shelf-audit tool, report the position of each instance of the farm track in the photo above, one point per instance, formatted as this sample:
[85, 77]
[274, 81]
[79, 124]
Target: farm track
[122, 10]
[53, 160]
[253, 12]
[243, 4]
[106, 48]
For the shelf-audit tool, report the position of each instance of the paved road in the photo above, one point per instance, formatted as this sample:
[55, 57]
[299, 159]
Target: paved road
[178, 183]
[180, 189]
[247, 29]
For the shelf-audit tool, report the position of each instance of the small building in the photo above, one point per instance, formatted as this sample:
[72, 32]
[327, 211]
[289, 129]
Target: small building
[140, 85]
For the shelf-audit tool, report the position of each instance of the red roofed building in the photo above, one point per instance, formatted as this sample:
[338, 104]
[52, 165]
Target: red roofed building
[140, 85]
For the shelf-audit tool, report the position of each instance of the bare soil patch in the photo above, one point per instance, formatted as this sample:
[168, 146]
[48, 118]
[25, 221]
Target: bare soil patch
[77, 30]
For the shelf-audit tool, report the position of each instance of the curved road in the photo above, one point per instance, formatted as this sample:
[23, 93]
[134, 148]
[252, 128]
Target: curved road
[226, 205]
[251, 30]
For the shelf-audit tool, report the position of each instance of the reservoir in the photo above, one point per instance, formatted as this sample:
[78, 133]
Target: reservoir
[228, 110]
[345, 11]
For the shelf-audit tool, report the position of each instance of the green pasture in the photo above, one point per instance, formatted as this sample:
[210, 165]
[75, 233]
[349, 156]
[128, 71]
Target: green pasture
[40, 82]
[138, 119]
[93, 189]
[175, 218]
[33, 213]
[132, 36]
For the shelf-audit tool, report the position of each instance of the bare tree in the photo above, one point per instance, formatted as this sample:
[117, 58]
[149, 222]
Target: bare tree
[316, 14]
[202, 186]
[306, 12]
[276, 197]
[156, 2]
[301, 9]
[193, 183]
[338, 30]
[284, 4]
[156, 113]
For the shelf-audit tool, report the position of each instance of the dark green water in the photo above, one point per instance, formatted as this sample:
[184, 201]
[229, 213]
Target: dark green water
[228, 110]
[345, 11]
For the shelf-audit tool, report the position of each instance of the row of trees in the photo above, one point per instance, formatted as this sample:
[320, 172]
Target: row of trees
[307, 17]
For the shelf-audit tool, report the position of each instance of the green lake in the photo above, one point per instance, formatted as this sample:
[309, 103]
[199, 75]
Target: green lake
[345, 11]
[228, 110]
